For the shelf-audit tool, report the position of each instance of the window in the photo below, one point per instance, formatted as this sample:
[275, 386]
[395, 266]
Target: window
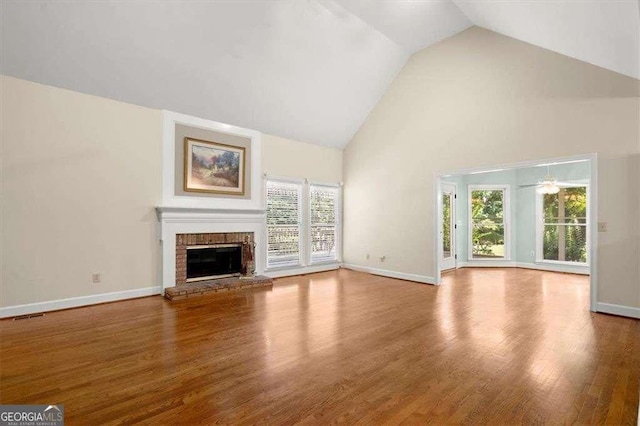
[303, 223]
[323, 201]
[563, 235]
[488, 215]
[283, 223]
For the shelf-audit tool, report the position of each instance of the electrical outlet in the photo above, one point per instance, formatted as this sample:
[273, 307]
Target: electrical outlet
[532, 253]
[602, 227]
[382, 258]
[95, 278]
[368, 256]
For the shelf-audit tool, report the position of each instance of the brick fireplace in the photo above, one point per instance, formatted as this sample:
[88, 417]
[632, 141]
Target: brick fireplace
[188, 243]
[182, 227]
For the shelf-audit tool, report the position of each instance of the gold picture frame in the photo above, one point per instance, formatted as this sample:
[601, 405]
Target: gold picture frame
[213, 167]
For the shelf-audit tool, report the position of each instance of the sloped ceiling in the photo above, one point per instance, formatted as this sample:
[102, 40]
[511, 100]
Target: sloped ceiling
[601, 32]
[309, 70]
[414, 25]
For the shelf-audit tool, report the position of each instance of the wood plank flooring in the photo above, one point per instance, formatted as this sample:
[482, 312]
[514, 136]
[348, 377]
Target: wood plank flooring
[489, 346]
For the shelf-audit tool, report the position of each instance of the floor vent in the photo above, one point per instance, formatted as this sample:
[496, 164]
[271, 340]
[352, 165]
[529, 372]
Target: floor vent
[21, 317]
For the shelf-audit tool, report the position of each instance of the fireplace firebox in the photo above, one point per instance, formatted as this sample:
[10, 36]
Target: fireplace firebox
[210, 256]
[217, 261]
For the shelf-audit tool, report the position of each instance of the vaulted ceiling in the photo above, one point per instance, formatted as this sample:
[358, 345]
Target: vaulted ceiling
[309, 70]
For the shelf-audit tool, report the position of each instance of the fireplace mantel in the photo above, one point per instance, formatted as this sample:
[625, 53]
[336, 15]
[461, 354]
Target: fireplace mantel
[190, 214]
[174, 220]
[173, 213]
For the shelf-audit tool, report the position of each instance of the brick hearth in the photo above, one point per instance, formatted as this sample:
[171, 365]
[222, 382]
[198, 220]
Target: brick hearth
[221, 285]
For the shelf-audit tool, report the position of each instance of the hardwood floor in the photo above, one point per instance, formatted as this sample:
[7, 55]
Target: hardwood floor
[489, 346]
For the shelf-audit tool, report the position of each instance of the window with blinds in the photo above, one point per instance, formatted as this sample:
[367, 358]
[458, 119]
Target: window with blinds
[284, 222]
[323, 223]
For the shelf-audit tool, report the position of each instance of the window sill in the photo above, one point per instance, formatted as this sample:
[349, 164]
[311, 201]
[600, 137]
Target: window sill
[283, 267]
[324, 262]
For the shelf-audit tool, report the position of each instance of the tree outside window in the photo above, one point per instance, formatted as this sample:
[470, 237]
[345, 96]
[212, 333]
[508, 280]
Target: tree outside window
[488, 225]
[564, 236]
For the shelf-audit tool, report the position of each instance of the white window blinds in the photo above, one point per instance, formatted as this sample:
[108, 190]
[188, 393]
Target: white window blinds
[283, 223]
[323, 232]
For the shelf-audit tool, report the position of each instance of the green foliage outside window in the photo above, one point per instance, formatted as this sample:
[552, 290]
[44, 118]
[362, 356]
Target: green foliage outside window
[487, 218]
[565, 220]
[446, 224]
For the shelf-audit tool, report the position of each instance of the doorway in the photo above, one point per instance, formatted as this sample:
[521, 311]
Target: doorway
[448, 255]
[539, 236]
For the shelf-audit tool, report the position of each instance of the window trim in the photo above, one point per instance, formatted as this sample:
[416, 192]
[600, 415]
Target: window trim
[540, 226]
[506, 207]
[338, 208]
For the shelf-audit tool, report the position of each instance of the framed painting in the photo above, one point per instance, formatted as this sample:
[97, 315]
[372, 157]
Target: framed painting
[213, 167]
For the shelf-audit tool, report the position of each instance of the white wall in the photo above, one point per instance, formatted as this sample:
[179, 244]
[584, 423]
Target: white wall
[482, 99]
[81, 176]
[287, 158]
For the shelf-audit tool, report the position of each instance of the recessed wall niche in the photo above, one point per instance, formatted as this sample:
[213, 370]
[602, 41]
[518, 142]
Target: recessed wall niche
[209, 141]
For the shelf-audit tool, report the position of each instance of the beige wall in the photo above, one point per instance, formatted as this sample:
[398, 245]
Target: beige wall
[287, 158]
[479, 99]
[80, 178]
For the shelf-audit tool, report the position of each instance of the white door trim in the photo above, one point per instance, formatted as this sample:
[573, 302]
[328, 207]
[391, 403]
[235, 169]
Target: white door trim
[445, 264]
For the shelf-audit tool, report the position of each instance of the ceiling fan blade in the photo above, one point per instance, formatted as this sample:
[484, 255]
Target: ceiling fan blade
[529, 186]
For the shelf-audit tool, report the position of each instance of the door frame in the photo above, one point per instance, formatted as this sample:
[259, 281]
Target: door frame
[454, 221]
[593, 212]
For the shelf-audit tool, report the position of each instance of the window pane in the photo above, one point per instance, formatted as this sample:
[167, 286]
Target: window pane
[567, 206]
[566, 243]
[283, 245]
[575, 204]
[324, 203]
[487, 205]
[283, 200]
[446, 225]
[283, 223]
[550, 242]
[550, 206]
[488, 240]
[323, 242]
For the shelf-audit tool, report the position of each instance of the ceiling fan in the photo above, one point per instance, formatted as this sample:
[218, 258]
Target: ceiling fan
[549, 185]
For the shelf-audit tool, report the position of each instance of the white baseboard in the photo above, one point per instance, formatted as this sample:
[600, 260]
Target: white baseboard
[487, 264]
[75, 302]
[279, 273]
[392, 274]
[582, 270]
[624, 311]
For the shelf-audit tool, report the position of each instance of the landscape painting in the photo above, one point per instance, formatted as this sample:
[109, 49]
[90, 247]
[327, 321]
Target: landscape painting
[213, 167]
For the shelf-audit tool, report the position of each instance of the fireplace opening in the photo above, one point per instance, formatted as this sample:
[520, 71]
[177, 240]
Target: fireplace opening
[206, 262]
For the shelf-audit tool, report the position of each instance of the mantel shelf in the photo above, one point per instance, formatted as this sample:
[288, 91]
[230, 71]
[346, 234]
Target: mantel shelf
[160, 210]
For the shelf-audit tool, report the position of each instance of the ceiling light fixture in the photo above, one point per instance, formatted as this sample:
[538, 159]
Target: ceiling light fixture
[548, 186]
